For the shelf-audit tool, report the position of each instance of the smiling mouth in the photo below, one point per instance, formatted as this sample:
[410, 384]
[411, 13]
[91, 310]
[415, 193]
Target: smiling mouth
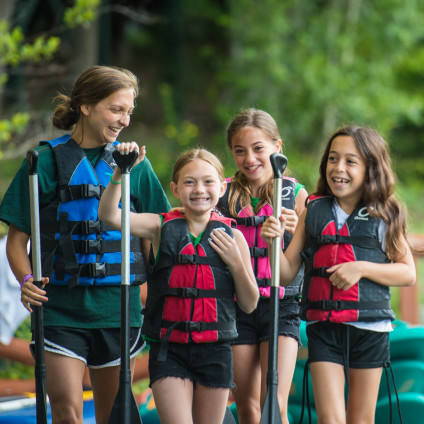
[200, 199]
[340, 180]
[115, 130]
[252, 168]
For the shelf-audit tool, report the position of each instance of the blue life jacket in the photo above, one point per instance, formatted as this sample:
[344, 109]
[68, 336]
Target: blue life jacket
[77, 248]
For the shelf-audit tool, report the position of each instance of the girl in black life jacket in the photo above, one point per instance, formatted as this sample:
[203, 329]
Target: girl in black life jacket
[199, 263]
[352, 238]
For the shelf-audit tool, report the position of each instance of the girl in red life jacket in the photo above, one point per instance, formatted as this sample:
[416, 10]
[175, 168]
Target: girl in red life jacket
[199, 265]
[252, 137]
[352, 240]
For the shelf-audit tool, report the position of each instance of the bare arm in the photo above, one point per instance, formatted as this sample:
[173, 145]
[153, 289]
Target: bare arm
[235, 253]
[17, 254]
[290, 261]
[401, 272]
[143, 225]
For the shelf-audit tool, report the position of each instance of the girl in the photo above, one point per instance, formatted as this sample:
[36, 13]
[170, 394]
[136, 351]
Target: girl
[352, 240]
[80, 255]
[199, 264]
[252, 137]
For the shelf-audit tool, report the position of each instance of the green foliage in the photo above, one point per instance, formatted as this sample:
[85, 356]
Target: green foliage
[82, 13]
[14, 51]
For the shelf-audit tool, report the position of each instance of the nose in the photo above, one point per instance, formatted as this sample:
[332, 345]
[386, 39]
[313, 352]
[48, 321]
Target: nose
[125, 119]
[339, 165]
[250, 156]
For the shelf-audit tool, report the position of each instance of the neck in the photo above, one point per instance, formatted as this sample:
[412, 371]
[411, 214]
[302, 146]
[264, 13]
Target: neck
[196, 224]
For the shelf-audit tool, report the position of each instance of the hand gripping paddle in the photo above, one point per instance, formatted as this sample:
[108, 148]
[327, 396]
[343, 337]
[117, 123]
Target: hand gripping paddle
[40, 366]
[271, 410]
[125, 409]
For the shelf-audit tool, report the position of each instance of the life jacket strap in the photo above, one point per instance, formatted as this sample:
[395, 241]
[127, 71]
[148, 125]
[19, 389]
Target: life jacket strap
[191, 292]
[251, 221]
[83, 191]
[339, 305]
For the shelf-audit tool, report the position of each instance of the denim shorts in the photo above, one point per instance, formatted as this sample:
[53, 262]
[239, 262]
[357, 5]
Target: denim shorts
[96, 347]
[209, 364]
[347, 345]
[253, 328]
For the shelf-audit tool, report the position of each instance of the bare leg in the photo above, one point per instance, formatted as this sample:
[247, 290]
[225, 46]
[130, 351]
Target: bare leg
[362, 400]
[64, 378]
[209, 404]
[105, 383]
[247, 377]
[328, 381]
[174, 399]
[286, 362]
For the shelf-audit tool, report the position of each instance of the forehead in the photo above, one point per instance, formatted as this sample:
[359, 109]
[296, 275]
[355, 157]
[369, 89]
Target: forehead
[124, 97]
[344, 144]
[248, 136]
[198, 168]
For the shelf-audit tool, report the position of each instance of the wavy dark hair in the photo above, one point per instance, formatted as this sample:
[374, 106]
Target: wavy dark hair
[378, 194]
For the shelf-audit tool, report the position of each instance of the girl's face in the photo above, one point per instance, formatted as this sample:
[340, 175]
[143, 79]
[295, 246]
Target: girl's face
[105, 120]
[199, 186]
[345, 172]
[251, 149]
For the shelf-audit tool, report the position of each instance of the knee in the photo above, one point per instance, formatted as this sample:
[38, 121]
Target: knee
[66, 414]
[248, 411]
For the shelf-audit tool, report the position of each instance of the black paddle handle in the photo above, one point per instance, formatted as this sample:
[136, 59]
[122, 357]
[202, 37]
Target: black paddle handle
[279, 164]
[32, 157]
[125, 162]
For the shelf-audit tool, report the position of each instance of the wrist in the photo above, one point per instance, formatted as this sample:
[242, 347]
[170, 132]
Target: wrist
[25, 278]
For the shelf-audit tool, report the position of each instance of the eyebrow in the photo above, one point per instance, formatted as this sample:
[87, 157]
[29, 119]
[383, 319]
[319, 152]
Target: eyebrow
[348, 154]
[254, 144]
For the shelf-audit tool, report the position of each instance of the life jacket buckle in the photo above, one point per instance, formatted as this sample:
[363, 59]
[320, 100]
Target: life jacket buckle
[257, 252]
[90, 190]
[185, 259]
[192, 326]
[91, 246]
[97, 270]
[90, 227]
[330, 305]
[187, 292]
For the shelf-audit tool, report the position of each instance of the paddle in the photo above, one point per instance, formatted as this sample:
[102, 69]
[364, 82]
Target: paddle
[40, 366]
[125, 410]
[271, 409]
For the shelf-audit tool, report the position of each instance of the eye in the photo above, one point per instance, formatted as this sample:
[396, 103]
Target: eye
[331, 158]
[258, 148]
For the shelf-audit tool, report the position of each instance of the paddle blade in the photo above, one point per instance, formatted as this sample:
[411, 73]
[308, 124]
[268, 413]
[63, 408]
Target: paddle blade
[228, 418]
[271, 415]
[125, 414]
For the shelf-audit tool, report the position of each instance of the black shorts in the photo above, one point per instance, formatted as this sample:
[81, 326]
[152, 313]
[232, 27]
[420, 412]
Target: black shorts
[253, 328]
[332, 342]
[209, 364]
[97, 347]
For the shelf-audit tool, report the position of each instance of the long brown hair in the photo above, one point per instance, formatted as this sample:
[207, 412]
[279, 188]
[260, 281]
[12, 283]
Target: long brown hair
[93, 85]
[378, 193]
[240, 190]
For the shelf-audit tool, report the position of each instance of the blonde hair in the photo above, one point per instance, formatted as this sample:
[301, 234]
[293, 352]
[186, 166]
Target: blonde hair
[240, 191]
[190, 156]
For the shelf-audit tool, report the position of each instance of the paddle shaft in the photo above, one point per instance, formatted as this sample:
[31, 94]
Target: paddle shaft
[40, 366]
[271, 409]
[125, 406]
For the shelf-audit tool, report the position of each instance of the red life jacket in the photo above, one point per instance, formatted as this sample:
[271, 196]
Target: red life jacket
[250, 225]
[357, 240]
[190, 289]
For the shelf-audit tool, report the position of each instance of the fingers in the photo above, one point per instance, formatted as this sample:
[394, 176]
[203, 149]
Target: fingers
[33, 295]
[289, 218]
[125, 148]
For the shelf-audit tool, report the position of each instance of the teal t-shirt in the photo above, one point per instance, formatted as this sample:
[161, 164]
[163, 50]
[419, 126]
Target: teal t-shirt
[82, 307]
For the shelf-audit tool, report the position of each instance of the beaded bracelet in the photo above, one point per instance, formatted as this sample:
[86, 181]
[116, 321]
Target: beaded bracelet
[25, 279]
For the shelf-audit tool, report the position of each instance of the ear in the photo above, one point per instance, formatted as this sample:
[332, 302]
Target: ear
[223, 188]
[85, 110]
[278, 145]
[174, 190]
